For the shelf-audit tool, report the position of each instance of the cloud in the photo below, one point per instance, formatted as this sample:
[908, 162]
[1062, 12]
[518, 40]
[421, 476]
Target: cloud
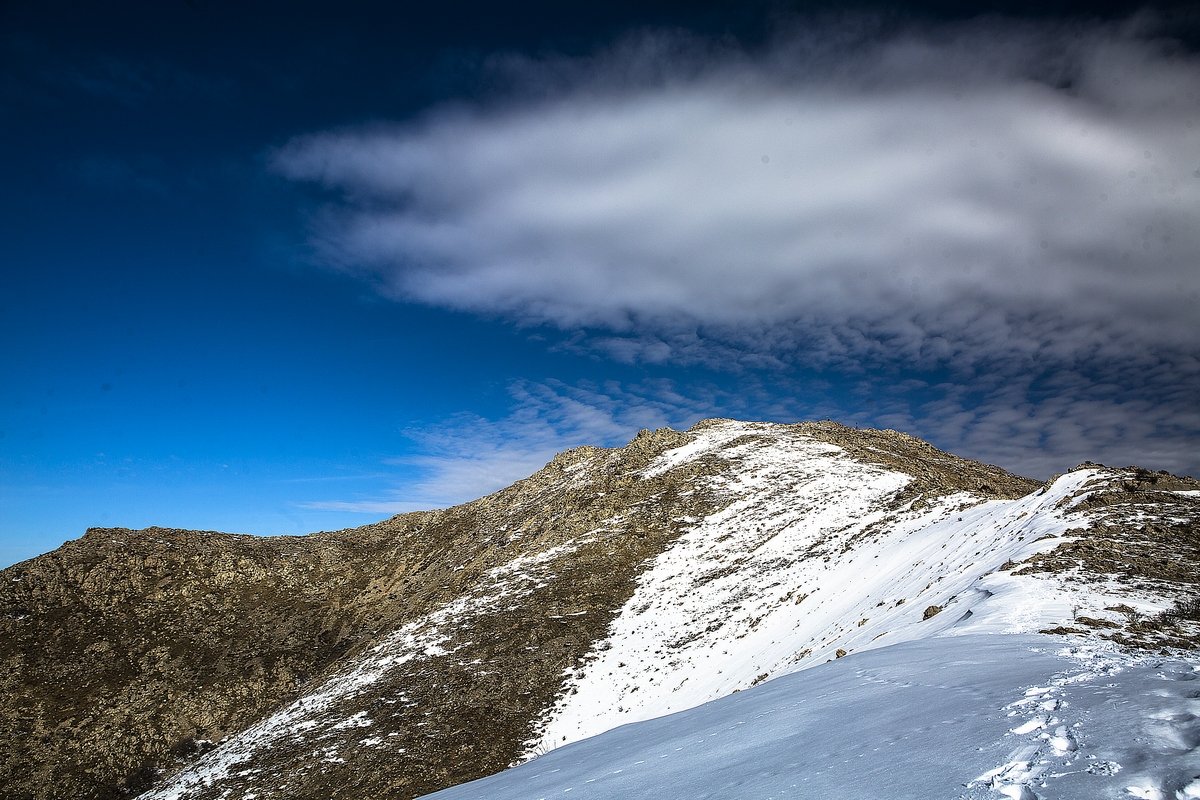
[467, 456]
[1007, 214]
[1046, 430]
[946, 196]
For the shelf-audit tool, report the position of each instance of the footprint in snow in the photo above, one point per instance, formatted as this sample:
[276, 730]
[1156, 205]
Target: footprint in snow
[1035, 724]
[1018, 792]
[1145, 792]
[1175, 735]
[1179, 675]
[1191, 791]
[1177, 728]
[1062, 742]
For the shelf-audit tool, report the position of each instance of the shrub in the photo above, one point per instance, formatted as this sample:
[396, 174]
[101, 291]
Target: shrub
[1188, 609]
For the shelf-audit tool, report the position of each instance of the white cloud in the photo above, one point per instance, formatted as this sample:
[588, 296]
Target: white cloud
[1030, 431]
[468, 456]
[1008, 211]
[940, 196]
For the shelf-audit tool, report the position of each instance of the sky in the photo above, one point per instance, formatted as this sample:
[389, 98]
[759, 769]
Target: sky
[285, 267]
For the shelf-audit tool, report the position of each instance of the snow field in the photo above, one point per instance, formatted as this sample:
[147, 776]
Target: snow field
[962, 718]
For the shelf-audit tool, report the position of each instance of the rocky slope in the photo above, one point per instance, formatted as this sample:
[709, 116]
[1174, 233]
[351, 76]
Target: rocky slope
[613, 585]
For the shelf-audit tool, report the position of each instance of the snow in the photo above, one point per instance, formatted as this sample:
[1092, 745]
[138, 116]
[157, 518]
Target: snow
[705, 441]
[964, 717]
[809, 559]
[359, 720]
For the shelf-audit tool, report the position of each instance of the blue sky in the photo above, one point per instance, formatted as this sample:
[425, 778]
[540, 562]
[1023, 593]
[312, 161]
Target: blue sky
[296, 268]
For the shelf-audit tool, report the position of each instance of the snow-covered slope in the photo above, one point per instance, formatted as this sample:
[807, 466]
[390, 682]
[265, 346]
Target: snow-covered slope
[812, 558]
[967, 717]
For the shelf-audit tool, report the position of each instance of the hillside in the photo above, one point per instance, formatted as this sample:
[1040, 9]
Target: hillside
[612, 586]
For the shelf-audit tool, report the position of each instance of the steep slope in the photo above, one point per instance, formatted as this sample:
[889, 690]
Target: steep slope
[613, 585]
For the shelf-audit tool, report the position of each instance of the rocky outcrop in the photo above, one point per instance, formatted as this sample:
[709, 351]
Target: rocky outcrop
[1142, 532]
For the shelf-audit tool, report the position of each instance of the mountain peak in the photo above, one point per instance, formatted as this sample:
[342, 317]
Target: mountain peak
[611, 586]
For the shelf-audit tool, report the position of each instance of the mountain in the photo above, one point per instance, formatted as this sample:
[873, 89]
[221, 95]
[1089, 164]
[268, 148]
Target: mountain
[614, 585]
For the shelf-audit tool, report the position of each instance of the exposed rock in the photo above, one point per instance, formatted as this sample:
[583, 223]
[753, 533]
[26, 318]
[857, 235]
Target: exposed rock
[1143, 531]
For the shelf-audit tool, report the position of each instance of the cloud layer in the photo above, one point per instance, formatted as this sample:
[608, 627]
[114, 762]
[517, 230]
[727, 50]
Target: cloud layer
[1008, 214]
[979, 191]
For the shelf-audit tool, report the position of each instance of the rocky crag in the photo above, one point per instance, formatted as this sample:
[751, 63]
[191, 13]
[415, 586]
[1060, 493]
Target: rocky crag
[613, 585]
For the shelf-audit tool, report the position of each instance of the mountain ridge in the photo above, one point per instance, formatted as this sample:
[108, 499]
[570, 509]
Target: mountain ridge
[414, 632]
